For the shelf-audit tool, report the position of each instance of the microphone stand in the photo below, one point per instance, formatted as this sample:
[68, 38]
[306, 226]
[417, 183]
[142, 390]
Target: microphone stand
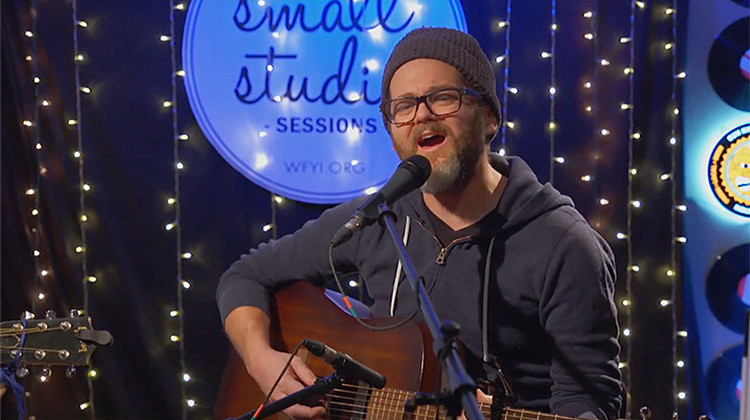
[461, 385]
[320, 387]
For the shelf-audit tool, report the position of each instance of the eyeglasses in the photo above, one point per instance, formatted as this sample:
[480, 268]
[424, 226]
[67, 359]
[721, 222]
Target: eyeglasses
[439, 102]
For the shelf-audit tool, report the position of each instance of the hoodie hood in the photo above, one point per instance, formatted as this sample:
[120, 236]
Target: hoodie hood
[524, 198]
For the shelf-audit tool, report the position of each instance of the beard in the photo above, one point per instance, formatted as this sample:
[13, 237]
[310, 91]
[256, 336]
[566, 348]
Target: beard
[452, 165]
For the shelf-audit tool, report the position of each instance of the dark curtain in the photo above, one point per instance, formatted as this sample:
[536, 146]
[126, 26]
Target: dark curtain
[128, 160]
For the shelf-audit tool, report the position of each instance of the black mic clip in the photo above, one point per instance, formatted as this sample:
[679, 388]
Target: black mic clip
[345, 365]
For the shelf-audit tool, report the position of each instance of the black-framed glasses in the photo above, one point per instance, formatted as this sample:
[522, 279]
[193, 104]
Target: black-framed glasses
[439, 102]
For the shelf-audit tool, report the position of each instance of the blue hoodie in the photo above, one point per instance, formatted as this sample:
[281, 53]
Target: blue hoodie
[535, 290]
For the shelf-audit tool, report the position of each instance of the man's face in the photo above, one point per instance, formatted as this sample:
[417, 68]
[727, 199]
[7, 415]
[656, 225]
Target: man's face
[454, 143]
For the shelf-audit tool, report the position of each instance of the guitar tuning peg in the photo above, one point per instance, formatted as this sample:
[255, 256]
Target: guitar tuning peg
[73, 313]
[645, 413]
[50, 314]
[27, 315]
[22, 371]
[70, 371]
[46, 374]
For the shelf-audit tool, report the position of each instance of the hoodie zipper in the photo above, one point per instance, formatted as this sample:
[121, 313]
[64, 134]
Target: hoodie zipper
[440, 260]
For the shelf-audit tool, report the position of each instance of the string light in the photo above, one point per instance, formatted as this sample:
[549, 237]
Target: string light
[83, 187]
[175, 201]
[35, 191]
[675, 286]
[552, 90]
[506, 76]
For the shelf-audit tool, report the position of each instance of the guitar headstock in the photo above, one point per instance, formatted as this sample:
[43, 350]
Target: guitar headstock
[60, 341]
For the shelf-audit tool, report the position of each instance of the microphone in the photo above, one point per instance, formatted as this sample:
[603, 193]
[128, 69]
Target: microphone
[344, 364]
[410, 175]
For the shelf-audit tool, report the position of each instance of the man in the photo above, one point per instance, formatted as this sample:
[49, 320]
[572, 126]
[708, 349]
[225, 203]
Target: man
[506, 257]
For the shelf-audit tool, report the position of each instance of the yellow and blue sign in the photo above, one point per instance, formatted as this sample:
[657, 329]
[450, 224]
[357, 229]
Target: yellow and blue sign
[729, 170]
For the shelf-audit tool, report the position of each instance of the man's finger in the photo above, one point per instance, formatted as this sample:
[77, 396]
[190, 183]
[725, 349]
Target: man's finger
[305, 375]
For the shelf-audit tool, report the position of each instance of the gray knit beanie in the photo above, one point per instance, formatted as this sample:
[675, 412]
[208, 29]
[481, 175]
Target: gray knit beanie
[450, 46]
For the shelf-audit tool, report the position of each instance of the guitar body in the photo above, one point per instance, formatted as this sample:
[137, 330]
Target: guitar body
[302, 311]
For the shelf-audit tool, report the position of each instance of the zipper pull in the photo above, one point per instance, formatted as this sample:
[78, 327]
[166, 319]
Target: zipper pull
[441, 257]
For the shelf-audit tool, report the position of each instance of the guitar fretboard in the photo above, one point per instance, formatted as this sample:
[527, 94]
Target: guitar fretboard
[357, 402]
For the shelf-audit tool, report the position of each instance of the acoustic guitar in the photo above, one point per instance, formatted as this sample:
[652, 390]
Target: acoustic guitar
[302, 311]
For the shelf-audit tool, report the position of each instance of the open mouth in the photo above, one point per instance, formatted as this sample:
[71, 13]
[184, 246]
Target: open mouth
[431, 140]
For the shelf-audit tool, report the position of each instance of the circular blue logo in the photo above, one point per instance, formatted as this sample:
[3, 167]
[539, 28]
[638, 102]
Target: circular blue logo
[288, 92]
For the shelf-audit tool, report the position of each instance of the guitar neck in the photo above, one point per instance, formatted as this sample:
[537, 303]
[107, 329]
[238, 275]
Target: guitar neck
[352, 401]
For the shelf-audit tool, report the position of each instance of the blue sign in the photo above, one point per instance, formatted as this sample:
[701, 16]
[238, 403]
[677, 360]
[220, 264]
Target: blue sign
[288, 91]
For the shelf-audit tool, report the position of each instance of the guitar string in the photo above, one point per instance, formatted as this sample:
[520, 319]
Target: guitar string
[10, 332]
[429, 412]
[383, 398]
[53, 350]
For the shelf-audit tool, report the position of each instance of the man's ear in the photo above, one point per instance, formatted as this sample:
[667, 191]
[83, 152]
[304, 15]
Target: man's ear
[492, 125]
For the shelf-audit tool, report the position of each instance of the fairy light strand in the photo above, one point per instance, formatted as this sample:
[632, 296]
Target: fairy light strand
[673, 207]
[629, 209]
[82, 201]
[506, 84]
[595, 98]
[552, 89]
[37, 140]
[37, 180]
[179, 255]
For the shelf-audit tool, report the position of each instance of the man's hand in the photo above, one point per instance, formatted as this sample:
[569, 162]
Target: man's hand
[247, 327]
[265, 366]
